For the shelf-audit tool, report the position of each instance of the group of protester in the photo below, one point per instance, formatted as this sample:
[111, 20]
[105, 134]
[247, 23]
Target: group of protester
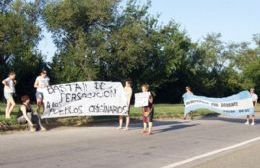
[27, 115]
[147, 111]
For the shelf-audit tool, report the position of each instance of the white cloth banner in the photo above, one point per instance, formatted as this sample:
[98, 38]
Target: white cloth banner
[90, 98]
[142, 99]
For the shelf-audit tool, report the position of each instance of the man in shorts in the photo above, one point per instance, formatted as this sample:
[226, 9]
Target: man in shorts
[41, 82]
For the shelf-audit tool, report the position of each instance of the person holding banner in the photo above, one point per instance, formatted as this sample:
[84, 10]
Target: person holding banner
[26, 115]
[254, 98]
[148, 112]
[9, 91]
[128, 91]
[41, 82]
[188, 91]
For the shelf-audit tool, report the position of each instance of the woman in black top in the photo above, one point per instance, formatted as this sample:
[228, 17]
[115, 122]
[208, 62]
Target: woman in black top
[26, 115]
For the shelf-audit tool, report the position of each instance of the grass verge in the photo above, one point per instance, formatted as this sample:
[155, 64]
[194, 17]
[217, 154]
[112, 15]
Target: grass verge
[161, 111]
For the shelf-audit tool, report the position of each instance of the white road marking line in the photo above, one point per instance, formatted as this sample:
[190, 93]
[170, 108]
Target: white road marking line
[176, 164]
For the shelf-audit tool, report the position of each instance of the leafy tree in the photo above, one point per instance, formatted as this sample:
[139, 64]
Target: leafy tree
[80, 30]
[251, 70]
[19, 36]
[116, 44]
[97, 40]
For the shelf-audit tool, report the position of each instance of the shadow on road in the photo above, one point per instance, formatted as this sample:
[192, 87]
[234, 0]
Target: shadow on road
[156, 123]
[174, 127]
[160, 126]
[226, 119]
[167, 125]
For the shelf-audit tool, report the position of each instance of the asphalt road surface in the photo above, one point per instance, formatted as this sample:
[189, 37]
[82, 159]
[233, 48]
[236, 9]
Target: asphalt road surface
[106, 147]
[247, 157]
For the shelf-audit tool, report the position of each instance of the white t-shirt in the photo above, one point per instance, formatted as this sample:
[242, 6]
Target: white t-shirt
[42, 83]
[254, 97]
[10, 84]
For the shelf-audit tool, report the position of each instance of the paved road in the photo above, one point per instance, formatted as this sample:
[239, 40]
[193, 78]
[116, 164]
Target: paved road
[246, 157]
[105, 146]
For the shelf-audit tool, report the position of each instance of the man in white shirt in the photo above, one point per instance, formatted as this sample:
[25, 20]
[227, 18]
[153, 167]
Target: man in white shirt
[254, 98]
[41, 82]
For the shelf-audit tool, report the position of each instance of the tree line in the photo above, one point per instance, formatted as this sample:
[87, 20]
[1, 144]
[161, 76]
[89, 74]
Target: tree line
[101, 40]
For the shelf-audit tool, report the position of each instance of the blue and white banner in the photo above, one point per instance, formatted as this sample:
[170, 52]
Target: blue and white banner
[240, 104]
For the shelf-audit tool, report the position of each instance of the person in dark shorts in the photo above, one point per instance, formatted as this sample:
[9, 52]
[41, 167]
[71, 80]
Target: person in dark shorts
[27, 115]
[148, 112]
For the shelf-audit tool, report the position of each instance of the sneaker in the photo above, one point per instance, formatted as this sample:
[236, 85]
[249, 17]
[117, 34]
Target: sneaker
[43, 129]
[253, 123]
[32, 129]
[126, 129]
[119, 128]
[247, 123]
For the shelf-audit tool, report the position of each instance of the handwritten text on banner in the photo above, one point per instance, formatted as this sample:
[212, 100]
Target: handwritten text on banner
[91, 98]
[142, 99]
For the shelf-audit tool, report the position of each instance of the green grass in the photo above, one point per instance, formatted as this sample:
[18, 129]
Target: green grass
[167, 111]
[161, 111]
[2, 115]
